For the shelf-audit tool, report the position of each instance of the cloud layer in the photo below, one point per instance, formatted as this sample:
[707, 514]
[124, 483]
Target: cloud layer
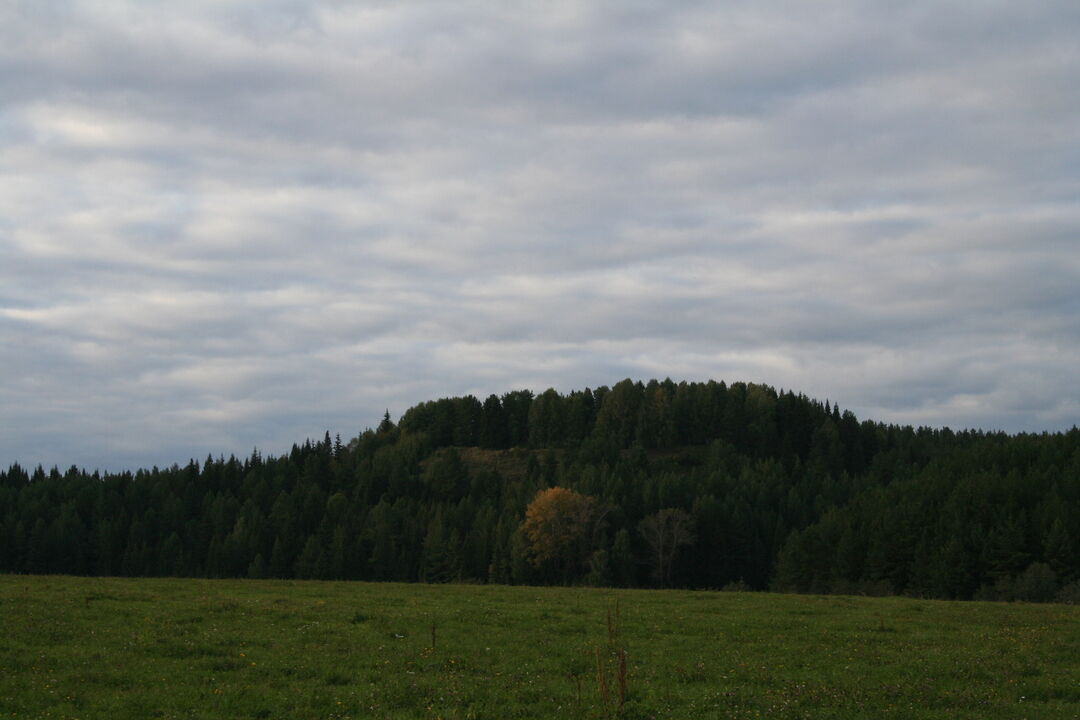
[234, 224]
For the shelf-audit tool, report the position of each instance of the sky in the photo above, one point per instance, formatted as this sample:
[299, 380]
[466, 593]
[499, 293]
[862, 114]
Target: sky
[228, 225]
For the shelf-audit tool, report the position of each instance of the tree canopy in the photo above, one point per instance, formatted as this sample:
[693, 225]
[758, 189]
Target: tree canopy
[558, 527]
[639, 484]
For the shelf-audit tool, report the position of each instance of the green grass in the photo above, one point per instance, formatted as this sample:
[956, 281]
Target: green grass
[115, 648]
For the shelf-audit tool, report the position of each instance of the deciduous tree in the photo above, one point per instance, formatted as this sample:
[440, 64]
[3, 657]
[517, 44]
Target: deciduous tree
[558, 527]
[665, 532]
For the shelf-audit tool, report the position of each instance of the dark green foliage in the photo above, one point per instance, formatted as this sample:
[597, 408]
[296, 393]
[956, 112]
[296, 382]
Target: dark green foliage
[780, 491]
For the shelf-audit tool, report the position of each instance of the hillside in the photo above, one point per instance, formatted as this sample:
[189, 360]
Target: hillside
[769, 490]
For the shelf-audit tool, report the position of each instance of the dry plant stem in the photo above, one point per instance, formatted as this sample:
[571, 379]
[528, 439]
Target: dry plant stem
[601, 680]
[613, 622]
[622, 678]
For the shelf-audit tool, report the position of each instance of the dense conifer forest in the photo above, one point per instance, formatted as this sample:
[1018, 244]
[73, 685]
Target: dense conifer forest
[698, 485]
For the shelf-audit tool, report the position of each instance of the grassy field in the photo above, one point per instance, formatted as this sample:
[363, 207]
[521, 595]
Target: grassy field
[115, 648]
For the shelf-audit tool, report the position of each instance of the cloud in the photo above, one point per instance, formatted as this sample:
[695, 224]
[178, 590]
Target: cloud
[229, 225]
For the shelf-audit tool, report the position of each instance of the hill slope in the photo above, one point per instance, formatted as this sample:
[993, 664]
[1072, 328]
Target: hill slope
[770, 489]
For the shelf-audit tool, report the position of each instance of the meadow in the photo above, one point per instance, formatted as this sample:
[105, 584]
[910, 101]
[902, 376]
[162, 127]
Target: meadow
[179, 648]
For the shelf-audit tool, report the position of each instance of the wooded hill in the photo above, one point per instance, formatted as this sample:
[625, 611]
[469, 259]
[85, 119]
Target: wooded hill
[702, 485]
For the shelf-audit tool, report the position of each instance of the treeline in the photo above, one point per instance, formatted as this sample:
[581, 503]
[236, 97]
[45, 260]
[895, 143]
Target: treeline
[998, 519]
[702, 485]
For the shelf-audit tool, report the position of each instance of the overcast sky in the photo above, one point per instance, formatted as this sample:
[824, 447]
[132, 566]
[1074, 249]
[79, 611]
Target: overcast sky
[228, 225]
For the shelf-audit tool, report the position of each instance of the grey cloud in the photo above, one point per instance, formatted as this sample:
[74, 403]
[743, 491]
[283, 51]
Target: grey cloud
[233, 225]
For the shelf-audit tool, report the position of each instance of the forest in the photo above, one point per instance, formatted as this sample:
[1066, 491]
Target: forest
[658, 484]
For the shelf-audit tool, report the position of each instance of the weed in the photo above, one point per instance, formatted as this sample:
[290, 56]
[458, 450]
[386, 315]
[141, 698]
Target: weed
[336, 679]
[613, 622]
[622, 678]
[883, 628]
[601, 680]
[618, 653]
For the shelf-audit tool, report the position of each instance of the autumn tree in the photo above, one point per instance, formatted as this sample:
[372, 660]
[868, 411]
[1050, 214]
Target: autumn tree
[558, 528]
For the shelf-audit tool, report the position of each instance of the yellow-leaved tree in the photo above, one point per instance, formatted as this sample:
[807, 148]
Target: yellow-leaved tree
[559, 525]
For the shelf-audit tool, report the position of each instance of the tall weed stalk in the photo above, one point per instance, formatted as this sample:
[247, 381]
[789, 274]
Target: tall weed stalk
[616, 650]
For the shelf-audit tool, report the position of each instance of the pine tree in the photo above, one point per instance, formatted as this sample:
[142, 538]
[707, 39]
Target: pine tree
[622, 560]
[257, 569]
[1061, 550]
[307, 563]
